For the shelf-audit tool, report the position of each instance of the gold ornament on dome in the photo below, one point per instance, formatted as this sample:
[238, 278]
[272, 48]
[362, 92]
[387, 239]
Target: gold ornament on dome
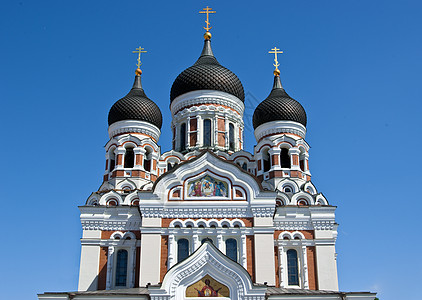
[139, 50]
[208, 11]
[276, 64]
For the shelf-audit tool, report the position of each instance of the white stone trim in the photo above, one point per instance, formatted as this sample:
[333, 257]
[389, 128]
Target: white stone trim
[207, 260]
[278, 127]
[207, 97]
[126, 126]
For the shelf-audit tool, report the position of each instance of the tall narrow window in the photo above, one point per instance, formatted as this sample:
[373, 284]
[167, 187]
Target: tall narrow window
[129, 158]
[147, 160]
[302, 164]
[284, 158]
[292, 267]
[183, 137]
[266, 160]
[112, 160]
[231, 137]
[121, 268]
[245, 166]
[231, 249]
[207, 132]
[182, 249]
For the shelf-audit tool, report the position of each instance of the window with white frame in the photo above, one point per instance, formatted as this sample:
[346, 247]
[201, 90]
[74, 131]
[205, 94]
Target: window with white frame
[121, 268]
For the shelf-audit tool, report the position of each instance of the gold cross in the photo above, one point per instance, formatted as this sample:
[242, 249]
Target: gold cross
[276, 51]
[207, 11]
[139, 50]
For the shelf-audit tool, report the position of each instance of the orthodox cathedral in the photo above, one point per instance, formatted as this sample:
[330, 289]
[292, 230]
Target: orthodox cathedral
[207, 219]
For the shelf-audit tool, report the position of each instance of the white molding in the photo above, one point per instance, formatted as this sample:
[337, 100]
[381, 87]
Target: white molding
[206, 97]
[126, 126]
[207, 260]
[278, 127]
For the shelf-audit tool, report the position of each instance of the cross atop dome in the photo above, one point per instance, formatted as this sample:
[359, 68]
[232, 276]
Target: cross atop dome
[139, 50]
[276, 64]
[208, 11]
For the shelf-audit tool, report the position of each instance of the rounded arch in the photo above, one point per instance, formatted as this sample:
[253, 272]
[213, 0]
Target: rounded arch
[176, 223]
[288, 183]
[109, 196]
[117, 235]
[303, 197]
[213, 223]
[238, 223]
[321, 200]
[130, 198]
[309, 188]
[285, 235]
[298, 235]
[126, 183]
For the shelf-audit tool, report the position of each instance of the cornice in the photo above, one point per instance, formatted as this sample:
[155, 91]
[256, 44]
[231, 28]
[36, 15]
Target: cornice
[207, 97]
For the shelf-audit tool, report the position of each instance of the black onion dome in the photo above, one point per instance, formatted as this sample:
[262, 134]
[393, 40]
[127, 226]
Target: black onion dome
[136, 106]
[207, 74]
[278, 106]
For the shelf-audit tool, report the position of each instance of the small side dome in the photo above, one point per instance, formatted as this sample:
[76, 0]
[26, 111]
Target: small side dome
[136, 106]
[278, 106]
[207, 74]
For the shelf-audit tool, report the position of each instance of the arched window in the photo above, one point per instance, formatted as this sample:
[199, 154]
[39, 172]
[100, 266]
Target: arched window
[266, 160]
[231, 137]
[245, 166]
[129, 158]
[292, 267]
[112, 160]
[183, 137]
[231, 249]
[207, 132]
[171, 165]
[121, 268]
[302, 160]
[147, 160]
[284, 158]
[182, 249]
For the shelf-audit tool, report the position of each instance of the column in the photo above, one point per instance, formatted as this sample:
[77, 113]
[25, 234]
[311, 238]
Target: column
[243, 257]
[275, 158]
[139, 157]
[281, 264]
[188, 145]
[305, 268]
[306, 162]
[199, 138]
[220, 242]
[154, 160]
[294, 158]
[131, 265]
[196, 243]
[259, 165]
[171, 251]
[227, 134]
[120, 152]
[110, 267]
[214, 131]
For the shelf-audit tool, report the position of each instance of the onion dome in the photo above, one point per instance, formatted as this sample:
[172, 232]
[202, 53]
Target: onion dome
[207, 74]
[278, 106]
[136, 106]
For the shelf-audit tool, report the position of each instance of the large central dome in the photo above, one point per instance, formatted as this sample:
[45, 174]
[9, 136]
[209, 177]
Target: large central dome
[207, 74]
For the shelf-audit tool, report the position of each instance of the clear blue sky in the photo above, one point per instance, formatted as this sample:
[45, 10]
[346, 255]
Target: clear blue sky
[354, 65]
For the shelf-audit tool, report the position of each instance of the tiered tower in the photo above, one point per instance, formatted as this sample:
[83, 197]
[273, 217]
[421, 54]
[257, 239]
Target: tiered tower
[207, 219]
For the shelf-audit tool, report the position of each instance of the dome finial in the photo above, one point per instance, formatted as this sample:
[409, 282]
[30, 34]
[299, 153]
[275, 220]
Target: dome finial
[139, 50]
[276, 51]
[208, 11]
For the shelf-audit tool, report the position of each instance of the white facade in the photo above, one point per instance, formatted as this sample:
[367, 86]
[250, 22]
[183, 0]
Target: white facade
[207, 219]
